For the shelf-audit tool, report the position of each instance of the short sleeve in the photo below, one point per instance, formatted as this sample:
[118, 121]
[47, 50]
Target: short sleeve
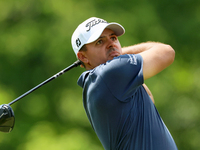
[123, 75]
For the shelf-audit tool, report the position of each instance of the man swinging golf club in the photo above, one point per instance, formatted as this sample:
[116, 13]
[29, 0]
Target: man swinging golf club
[118, 104]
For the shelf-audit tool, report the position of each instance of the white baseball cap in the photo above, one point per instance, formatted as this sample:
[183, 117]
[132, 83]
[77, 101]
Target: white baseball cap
[90, 30]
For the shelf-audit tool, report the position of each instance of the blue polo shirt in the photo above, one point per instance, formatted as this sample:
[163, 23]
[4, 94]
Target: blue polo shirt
[119, 109]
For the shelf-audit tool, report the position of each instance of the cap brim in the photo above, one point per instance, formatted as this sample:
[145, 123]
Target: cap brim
[117, 28]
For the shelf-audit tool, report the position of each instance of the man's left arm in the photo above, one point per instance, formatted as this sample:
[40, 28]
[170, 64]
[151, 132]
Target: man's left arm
[156, 56]
[138, 48]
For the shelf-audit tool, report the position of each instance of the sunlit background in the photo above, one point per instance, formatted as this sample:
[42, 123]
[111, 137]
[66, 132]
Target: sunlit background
[35, 43]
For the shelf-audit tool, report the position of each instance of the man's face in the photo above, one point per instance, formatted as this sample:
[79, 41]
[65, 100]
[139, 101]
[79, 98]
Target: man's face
[105, 48]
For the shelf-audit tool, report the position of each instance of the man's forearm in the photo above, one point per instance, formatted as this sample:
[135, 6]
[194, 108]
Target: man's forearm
[138, 48]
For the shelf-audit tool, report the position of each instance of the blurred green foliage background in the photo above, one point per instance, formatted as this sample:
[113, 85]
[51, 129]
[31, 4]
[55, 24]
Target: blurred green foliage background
[35, 43]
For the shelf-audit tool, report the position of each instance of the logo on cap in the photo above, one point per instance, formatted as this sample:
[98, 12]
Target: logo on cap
[78, 42]
[94, 22]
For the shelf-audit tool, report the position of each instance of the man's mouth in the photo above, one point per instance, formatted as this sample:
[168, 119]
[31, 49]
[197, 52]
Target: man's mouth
[113, 52]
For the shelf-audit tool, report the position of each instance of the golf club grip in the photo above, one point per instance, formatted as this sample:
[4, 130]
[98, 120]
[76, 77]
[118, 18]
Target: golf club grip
[75, 64]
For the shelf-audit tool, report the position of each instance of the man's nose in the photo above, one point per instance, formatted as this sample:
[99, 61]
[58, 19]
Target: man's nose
[110, 43]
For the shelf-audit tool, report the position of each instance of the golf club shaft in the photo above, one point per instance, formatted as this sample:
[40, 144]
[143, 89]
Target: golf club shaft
[75, 64]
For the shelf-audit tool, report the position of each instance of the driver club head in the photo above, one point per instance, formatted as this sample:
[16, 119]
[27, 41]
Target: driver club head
[7, 118]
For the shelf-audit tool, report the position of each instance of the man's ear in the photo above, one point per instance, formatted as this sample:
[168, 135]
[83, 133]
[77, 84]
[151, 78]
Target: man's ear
[82, 57]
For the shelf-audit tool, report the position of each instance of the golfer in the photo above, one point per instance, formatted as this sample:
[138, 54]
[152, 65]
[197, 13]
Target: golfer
[118, 104]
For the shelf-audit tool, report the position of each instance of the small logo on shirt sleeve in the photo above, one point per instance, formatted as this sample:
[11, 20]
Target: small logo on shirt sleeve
[132, 59]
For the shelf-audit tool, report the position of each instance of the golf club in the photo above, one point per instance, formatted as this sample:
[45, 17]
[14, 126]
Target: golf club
[7, 118]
